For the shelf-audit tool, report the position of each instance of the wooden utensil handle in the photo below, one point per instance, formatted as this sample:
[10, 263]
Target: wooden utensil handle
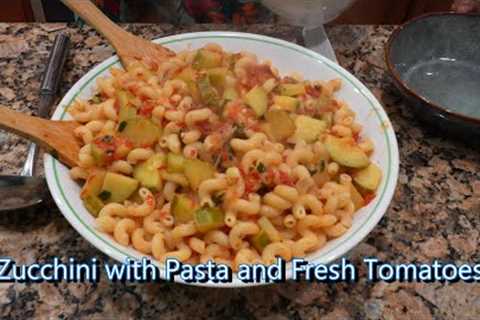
[94, 17]
[57, 137]
[29, 127]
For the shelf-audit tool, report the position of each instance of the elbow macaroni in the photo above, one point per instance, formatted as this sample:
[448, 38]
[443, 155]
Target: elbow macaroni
[263, 180]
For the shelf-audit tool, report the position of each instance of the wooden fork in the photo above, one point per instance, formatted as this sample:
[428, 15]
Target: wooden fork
[128, 46]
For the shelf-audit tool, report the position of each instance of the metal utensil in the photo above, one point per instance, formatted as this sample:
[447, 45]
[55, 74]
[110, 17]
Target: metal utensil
[26, 190]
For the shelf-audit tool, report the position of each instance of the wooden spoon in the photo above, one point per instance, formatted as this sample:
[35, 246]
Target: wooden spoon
[128, 46]
[56, 137]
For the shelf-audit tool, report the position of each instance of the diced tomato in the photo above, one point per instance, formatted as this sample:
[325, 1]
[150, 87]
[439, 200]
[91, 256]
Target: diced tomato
[356, 137]
[368, 198]
[153, 65]
[224, 155]
[133, 87]
[105, 142]
[233, 110]
[150, 201]
[313, 91]
[258, 74]
[222, 128]
[108, 145]
[252, 181]
[270, 175]
[285, 178]
[123, 141]
[204, 127]
[146, 109]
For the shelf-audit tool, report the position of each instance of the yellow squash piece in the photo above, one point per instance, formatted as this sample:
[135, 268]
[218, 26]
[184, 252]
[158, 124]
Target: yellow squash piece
[257, 99]
[345, 152]
[117, 187]
[281, 125]
[197, 171]
[141, 132]
[368, 178]
[183, 209]
[308, 128]
[148, 172]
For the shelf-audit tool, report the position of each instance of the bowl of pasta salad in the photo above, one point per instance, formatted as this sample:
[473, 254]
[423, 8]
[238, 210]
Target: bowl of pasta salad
[239, 149]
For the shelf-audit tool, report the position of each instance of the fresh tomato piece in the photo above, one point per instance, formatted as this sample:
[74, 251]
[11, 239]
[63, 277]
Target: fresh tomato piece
[252, 181]
[146, 110]
[258, 74]
[368, 198]
[313, 91]
[285, 178]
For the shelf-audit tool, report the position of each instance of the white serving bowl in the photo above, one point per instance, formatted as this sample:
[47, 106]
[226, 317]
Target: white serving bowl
[287, 57]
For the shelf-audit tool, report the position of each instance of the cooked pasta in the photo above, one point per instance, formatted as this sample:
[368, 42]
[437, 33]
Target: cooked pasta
[212, 155]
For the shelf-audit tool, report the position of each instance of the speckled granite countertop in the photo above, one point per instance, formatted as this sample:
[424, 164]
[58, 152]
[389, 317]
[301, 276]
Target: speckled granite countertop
[434, 215]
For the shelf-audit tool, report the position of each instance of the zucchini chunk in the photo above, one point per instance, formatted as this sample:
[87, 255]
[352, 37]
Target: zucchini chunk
[183, 208]
[357, 198]
[286, 103]
[281, 125]
[117, 187]
[346, 152]
[292, 89]
[126, 110]
[209, 218]
[197, 171]
[98, 154]
[230, 94]
[141, 132]
[308, 128]
[260, 240]
[217, 77]
[90, 191]
[368, 178]
[208, 93]
[206, 59]
[175, 163]
[257, 99]
[269, 229]
[148, 172]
